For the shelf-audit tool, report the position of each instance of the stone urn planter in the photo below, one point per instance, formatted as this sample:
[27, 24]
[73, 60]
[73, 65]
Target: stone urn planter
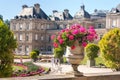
[74, 57]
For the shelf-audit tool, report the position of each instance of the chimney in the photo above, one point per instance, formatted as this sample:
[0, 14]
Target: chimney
[37, 8]
[54, 11]
[24, 6]
[66, 11]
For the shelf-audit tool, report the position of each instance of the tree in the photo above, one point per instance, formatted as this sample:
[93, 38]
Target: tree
[1, 17]
[110, 48]
[7, 22]
[7, 46]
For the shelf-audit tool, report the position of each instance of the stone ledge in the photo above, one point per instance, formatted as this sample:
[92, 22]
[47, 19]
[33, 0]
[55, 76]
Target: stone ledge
[105, 76]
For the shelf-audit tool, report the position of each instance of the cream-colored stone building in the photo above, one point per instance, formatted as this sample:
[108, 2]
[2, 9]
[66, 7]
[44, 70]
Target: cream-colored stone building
[33, 28]
[113, 18]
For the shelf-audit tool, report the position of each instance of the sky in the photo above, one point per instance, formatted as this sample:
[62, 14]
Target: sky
[10, 8]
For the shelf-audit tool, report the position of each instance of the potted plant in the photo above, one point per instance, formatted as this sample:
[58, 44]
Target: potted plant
[74, 39]
[91, 51]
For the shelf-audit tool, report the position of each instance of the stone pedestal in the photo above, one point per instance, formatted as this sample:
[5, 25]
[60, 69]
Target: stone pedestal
[74, 57]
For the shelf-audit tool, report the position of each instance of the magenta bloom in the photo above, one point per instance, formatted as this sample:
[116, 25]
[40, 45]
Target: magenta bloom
[92, 31]
[55, 45]
[52, 37]
[84, 44]
[90, 38]
[61, 41]
[75, 26]
[71, 37]
[82, 29]
[59, 37]
[75, 32]
[63, 30]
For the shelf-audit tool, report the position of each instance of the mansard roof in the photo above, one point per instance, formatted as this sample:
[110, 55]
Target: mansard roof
[32, 12]
[61, 15]
[116, 10]
[99, 14]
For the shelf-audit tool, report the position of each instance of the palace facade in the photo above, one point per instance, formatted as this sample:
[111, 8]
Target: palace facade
[33, 28]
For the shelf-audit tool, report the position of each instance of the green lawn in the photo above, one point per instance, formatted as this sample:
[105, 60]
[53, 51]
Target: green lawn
[17, 68]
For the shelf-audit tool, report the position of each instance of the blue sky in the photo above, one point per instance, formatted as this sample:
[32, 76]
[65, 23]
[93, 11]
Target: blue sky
[11, 8]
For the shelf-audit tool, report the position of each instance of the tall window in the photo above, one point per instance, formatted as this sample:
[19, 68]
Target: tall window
[27, 26]
[42, 38]
[41, 48]
[36, 36]
[20, 37]
[48, 26]
[26, 49]
[49, 48]
[99, 25]
[14, 27]
[114, 23]
[49, 38]
[27, 37]
[42, 27]
[21, 26]
[20, 48]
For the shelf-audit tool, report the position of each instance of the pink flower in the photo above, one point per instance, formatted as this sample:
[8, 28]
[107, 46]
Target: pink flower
[52, 37]
[75, 26]
[92, 31]
[90, 38]
[75, 32]
[71, 37]
[55, 45]
[72, 47]
[82, 29]
[61, 41]
[63, 30]
[84, 44]
[59, 37]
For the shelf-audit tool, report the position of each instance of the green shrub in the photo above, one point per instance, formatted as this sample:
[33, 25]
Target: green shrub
[91, 51]
[58, 52]
[110, 48]
[33, 55]
[37, 51]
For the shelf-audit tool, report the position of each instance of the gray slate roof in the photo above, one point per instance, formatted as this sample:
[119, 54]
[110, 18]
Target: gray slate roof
[116, 10]
[32, 12]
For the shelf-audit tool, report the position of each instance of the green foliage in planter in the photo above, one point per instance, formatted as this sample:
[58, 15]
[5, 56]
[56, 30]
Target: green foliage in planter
[58, 52]
[110, 48]
[91, 51]
[33, 55]
[37, 51]
[7, 46]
